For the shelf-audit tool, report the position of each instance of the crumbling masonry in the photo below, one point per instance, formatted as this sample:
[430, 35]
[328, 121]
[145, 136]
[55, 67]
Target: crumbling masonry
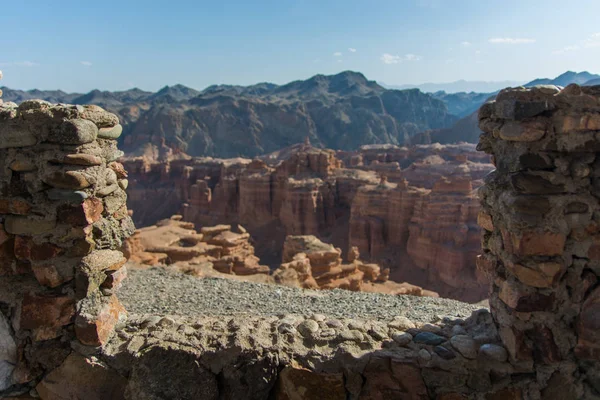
[64, 334]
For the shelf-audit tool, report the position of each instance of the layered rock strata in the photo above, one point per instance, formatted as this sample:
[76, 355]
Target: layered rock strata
[176, 243]
[311, 264]
[540, 242]
[62, 218]
[302, 190]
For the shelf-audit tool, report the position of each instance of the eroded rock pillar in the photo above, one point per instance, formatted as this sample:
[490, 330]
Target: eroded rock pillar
[541, 241]
[63, 218]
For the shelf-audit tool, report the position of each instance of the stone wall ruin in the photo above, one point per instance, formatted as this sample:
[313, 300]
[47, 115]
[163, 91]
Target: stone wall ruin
[65, 336]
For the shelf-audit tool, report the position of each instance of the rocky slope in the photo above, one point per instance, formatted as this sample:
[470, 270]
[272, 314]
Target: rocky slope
[341, 111]
[381, 199]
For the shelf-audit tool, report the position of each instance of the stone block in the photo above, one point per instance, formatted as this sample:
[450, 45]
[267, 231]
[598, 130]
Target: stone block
[76, 131]
[12, 136]
[110, 133]
[97, 319]
[27, 250]
[539, 275]
[532, 243]
[72, 196]
[73, 180]
[46, 315]
[386, 378]
[298, 383]
[524, 299]
[484, 220]
[20, 225]
[14, 206]
[79, 377]
[522, 132]
[86, 213]
[82, 159]
[100, 117]
[53, 274]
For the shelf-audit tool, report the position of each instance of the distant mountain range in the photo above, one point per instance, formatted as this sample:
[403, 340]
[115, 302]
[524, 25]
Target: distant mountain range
[458, 86]
[581, 78]
[342, 111]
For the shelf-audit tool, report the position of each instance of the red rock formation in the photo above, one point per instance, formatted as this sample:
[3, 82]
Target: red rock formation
[303, 190]
[310, 263]
[173, 241]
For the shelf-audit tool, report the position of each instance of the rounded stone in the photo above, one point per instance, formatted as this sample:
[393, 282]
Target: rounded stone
[308, 327]
[494, 351]
[110, 133]
[123, 184]
[424, 355]
[443, 352]
[401, 323]
[352, 336]
[74, 131]
[402, 338]
[464, 345]
[429, 338]
[67, 180]
[81, 159]
[100, 117]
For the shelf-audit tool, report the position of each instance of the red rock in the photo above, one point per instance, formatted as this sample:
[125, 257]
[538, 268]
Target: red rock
[81, 159]
[484, 220]
[14, 206]
[49, 275]
[26, 249]
[83, 214]
[297, 384]
[46, 315]
[67, 180]
[541, 275]
[531, 243]
[93, 326]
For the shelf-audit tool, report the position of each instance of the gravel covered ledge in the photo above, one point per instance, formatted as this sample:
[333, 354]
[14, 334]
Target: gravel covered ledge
[205, 343]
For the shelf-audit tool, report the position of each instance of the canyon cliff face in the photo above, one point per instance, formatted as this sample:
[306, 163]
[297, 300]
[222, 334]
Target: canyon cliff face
[412, 210]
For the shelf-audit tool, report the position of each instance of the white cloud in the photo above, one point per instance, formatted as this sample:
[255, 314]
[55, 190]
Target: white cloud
[387, 58]
[412, 57]
[351, 50]
[339, 60]
[86, 63]
[591, 41]
[507, 40]
[19, 64]
[337, 54]
[465, 44]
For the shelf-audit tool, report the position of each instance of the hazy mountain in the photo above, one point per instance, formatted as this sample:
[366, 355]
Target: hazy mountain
[340, 111]
[565, 79]
[462, 104]
[458, 86]
[592, 82]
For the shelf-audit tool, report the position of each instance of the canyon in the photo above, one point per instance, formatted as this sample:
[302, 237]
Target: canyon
[410, 209]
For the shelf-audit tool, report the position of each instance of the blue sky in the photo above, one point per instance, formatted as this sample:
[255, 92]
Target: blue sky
[116, 45]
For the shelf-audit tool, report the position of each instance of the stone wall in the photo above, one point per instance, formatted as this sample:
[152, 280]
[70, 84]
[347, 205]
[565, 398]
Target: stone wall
[62, 218]
[541, 243]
